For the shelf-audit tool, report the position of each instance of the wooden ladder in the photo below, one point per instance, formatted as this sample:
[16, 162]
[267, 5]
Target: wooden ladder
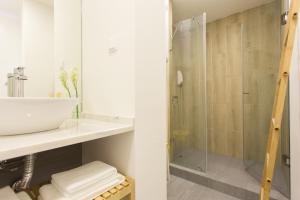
[280, 95]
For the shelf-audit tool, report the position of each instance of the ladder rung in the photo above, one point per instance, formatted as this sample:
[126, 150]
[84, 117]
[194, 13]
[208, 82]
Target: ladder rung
[285, 73]
[295, 16]
[275, 125]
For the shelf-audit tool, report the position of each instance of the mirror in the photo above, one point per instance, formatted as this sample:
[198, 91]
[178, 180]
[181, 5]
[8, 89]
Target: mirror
[44, 37]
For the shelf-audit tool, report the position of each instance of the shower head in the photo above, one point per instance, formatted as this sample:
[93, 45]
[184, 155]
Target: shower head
[175, 31]
[179, 78]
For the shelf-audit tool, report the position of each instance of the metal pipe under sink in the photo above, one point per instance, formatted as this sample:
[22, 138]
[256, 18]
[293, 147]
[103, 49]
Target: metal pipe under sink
[15, 88]
[24, 183]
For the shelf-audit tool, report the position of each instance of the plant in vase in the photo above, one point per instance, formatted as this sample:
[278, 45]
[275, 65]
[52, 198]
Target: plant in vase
[74, 78]
[64, 77]
[64, 80]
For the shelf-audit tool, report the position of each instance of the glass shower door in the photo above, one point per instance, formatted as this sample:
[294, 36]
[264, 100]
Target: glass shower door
[260, 71]
[188, 94]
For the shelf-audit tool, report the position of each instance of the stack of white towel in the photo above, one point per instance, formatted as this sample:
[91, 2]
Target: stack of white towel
[82, 183]
[7, 193]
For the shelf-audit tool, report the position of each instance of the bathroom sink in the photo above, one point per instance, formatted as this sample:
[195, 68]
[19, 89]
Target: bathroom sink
[30, 115]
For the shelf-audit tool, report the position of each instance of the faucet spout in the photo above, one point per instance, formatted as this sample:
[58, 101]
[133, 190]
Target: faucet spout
[19, 73]
[15, 83]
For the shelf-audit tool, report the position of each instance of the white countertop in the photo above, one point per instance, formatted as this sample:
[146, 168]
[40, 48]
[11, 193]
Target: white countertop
[72, 132]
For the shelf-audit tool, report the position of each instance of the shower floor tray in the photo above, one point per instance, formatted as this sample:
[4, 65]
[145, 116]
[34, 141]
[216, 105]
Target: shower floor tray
[225, 174]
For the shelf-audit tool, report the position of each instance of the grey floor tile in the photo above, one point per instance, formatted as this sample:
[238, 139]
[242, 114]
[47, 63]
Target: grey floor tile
[224, 169]
[181, 189]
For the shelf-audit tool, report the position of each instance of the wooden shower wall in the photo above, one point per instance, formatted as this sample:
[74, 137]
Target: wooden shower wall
[242, 61]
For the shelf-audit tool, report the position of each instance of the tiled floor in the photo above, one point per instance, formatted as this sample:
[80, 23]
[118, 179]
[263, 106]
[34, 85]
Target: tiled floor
[180, 189]
[280, 180]
[224, 169]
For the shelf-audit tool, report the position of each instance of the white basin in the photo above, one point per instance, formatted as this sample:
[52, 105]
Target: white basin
[30, 115]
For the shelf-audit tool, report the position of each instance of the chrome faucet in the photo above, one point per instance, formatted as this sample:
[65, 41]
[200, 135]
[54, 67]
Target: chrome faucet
[15, 83]
[15, 88]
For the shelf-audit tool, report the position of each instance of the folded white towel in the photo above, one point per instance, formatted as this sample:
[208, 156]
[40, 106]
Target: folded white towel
[91, 187]
[49, 192]
[78, 178]
[23, 196]
[7, 193]
[98, 188]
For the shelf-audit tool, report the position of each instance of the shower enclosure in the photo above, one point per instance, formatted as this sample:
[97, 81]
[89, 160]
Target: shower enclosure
[188, 94]
[222, 85]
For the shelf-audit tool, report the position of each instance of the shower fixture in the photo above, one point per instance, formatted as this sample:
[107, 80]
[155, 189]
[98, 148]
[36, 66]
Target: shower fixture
[179, 78]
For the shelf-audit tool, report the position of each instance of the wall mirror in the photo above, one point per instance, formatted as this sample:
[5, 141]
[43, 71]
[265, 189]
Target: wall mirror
[44, 37]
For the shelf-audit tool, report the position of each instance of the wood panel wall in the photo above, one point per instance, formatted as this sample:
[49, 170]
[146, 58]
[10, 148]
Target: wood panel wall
[224, 81]
[261, 63]
[243, 58]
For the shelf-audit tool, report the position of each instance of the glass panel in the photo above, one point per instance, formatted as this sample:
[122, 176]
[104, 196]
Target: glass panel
[188, 94]
[261, 40]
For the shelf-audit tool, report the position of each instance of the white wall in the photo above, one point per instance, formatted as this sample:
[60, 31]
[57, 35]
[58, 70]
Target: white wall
[108, 26]
[151, 37]
[295, 119]
[108, 75]
[10, 43]
[67, 38]
[38, 48]
[124, 73]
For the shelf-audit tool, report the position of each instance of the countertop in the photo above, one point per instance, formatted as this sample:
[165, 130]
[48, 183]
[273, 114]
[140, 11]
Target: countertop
[71, 132]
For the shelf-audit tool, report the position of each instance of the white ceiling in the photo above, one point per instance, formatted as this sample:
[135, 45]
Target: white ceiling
[15, 6]
[11, 6]
[47, 2]
[215, 9]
